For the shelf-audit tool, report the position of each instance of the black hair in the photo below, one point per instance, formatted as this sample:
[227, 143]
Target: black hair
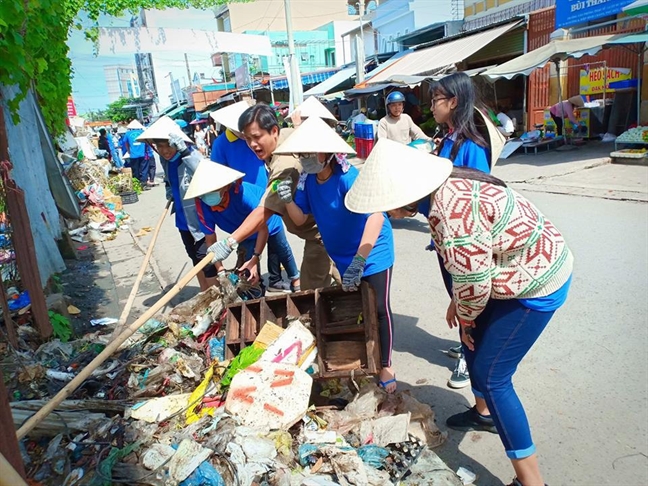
[475, 175]
[260, 113]
[102, 131]
[458, 85]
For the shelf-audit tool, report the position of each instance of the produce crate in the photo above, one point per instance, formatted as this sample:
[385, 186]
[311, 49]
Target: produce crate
[345, 325]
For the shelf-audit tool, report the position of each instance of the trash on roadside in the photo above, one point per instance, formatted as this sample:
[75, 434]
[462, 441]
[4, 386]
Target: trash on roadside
[171, 407]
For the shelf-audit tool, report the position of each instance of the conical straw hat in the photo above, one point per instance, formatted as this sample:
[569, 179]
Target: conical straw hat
[209, 177]
[229, 115]
[493, 136]
[135, 125]
[312, 107]
[577, 101]
[312, 137]
[394, 176]
[161, 130]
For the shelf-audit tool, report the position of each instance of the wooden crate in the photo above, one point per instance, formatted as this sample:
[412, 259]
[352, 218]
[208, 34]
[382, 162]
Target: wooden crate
[345, 343]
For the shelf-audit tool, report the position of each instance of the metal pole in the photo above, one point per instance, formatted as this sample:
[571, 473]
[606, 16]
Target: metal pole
[189, 78]
[297, 92]
[360, 47]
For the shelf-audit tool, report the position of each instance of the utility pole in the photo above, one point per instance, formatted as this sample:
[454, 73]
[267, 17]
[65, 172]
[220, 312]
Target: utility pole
[297, 91]
[189, 78]
[360, 47]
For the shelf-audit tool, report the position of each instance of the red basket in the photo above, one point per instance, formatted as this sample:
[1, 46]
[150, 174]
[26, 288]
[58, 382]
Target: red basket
[364, 147]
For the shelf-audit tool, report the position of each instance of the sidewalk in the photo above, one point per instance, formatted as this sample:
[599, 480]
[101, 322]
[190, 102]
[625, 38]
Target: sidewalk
[585, 171]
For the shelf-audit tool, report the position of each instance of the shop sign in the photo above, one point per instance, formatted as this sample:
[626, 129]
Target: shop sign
[572, 12]
[71, 109]
[592, 81]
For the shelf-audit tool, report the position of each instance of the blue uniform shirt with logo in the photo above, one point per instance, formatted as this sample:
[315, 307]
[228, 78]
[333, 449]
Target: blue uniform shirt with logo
[340, 228]
[243, 199]
[233, 152]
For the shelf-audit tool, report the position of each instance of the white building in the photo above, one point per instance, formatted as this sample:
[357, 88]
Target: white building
[121, 81]
[395, 18]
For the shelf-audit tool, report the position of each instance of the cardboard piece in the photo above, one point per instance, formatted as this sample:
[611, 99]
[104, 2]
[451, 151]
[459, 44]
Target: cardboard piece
[157, 409]
[269, 395]
[295, 346]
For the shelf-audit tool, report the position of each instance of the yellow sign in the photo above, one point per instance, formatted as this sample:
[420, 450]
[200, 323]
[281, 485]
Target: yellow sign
[593, 80]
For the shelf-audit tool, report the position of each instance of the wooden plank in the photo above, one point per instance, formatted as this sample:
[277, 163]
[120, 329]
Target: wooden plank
[348, 329]
[12, 334]
[9, 443]
[372, 333]
[320, 322]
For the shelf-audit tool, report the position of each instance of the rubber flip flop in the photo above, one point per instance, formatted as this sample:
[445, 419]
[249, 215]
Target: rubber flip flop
[383, 384]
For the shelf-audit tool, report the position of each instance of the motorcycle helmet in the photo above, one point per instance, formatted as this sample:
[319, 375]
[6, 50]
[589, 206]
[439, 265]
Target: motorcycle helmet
[395, 97]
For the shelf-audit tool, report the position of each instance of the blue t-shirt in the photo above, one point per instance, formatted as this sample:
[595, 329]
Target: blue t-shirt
[550, 302]
[235, 153]
[470, 155]
[243, 200]
[136, 149]
[341, 229]
[174, 182]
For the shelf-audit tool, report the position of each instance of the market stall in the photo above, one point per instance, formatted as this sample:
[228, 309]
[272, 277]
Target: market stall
[634, 144]
[558, 51]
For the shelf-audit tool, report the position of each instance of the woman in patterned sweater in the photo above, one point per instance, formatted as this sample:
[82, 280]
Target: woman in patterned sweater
[510, 267]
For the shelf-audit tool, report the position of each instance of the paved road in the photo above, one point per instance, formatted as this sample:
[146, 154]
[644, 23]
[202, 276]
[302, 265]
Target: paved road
[584, 384]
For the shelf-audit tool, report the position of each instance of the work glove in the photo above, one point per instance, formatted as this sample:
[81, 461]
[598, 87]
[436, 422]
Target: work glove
[284, 191]
[222, 249]
[353, 275]
[177, 142]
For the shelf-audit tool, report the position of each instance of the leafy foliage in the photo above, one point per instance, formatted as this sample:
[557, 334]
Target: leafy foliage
[33, 49]
[118, 114]
[61, 326]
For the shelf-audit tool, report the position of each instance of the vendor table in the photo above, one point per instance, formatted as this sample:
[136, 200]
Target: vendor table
[616, 144]
[545, 143]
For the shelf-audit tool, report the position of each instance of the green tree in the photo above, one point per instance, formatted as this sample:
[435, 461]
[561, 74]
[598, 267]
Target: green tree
[33, 49]
[116, 112]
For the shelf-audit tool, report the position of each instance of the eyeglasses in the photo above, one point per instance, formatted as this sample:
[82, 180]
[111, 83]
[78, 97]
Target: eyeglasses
[436, 100]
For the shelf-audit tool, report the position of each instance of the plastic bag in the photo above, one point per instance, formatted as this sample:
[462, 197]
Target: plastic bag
[245, 358]
[373, 455]
[204, 475]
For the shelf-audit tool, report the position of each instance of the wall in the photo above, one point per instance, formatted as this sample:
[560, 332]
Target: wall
[30, 175]
[480, 13]
[342, 46]
[310, 49]
[370, 36]
[268, 15]
[395, 18]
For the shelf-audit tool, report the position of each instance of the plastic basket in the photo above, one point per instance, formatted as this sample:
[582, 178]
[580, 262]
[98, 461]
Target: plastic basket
[129, 197]
[364, 131]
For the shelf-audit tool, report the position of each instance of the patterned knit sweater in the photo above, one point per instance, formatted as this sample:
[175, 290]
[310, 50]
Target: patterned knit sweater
[496, 245]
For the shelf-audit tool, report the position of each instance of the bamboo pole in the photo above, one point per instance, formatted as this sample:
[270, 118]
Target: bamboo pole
[110, 349]
[8, 475]
[131, 298]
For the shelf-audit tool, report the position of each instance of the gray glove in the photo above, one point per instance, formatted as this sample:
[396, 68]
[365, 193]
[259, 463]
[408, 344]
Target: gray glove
[222, 249]
[353, 275]
[284, 191]
[177, 142]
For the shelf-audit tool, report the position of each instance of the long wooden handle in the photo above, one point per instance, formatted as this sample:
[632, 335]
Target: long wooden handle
[131, 298]
[8, 475]
[110, 349]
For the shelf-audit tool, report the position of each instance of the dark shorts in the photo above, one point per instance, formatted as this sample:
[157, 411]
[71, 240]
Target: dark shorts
[197, 251]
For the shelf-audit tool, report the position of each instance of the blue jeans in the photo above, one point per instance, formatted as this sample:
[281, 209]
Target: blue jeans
[280, 253]
[504, 333]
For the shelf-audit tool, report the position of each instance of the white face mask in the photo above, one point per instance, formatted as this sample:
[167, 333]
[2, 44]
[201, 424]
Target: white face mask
[311, 164]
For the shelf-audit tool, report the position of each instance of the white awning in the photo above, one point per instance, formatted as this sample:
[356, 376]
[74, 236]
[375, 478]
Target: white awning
[331, 83]
[556, 50]
[125, 40]
[435, 58]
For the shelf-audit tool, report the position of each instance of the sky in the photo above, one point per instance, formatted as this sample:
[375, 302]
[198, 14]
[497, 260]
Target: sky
[89, 88]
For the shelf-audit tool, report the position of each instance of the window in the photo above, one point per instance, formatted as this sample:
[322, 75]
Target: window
[304, 56]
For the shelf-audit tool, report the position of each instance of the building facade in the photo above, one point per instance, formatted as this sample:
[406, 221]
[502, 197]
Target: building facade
[122, 82]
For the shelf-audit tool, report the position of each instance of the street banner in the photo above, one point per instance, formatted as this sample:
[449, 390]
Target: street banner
[594, 81]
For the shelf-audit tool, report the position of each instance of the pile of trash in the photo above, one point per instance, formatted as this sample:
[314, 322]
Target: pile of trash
[169, 409]
[102, 209]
